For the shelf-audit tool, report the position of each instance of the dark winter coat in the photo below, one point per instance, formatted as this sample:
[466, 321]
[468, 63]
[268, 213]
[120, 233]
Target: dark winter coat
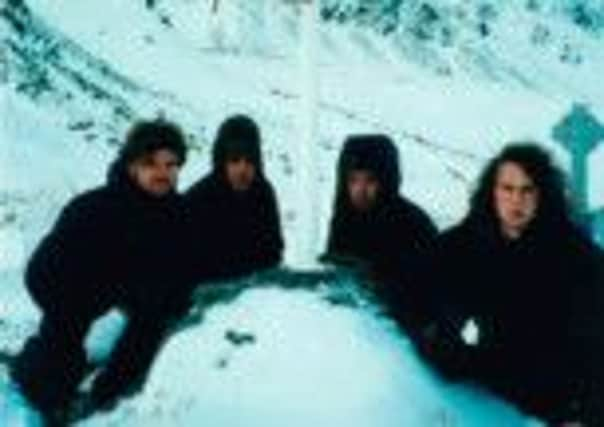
[392, 239]
[537, 302]
[114, 245]
[234, 233]
[528, 292]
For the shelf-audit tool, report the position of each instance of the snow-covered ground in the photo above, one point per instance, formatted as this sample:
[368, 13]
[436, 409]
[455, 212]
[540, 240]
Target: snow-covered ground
[321, 356]
[80, 71]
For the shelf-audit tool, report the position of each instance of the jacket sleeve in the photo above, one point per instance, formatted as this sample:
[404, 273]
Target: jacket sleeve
[440, 279]
[335, 243]
[587, 311]
[65, 262]
[271, 238]
[340, 248]
[413, 238]
[200, 258]
[425, 232]
[266, 249]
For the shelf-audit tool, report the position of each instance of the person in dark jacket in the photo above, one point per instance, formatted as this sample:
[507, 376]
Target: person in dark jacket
[114, 246]
[529, 279]
[376, 228]
[235, 218]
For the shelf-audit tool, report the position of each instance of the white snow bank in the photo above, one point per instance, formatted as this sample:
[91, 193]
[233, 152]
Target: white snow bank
[301, 361]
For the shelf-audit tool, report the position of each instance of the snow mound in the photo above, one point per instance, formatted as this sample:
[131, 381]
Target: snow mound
[321, 353]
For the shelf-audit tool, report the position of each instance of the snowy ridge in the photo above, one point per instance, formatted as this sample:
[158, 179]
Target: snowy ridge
[50, 67]
[530, 44]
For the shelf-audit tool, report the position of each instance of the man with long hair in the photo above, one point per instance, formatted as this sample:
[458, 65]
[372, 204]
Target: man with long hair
[528, 277]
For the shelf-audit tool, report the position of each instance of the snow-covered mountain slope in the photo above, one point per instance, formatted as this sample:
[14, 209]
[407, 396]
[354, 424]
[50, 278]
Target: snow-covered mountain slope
[97, 75]
[451, 88]
[486, 38]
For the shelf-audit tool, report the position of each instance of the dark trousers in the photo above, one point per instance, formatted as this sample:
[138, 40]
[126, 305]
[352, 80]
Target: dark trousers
[52, 363]
[547, 383]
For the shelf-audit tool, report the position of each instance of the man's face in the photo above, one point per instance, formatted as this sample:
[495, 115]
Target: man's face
[240, 173]
[155, 173]
[363, 189]
[516, 199]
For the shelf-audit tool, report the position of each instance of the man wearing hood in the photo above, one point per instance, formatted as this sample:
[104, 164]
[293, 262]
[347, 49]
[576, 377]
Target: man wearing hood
[235, 218]
[113, 246]
[373, 226]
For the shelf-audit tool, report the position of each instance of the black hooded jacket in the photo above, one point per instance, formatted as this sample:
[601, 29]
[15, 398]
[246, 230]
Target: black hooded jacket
[393, 238]
[234, 233]
[114, 245]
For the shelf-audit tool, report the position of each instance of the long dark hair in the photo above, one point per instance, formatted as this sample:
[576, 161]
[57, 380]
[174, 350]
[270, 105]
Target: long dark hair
[553, 207]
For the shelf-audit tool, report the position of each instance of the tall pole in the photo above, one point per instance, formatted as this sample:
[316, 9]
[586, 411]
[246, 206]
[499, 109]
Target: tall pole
[307, 250]
[215, 4]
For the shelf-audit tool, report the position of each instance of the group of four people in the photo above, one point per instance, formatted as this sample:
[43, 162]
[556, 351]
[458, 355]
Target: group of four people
[516, 264]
